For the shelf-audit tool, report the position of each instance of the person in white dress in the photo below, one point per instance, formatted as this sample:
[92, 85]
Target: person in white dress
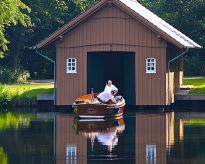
[109, 87]
[105, 96]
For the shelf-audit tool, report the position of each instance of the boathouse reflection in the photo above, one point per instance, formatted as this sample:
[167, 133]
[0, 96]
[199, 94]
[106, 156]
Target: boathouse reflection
[77, 141]
[156, 135]
[70, 147]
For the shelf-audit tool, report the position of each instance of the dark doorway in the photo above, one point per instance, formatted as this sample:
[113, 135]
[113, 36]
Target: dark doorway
[116, 66]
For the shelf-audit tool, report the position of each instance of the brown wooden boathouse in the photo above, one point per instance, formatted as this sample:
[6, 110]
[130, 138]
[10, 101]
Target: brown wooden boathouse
[122, 41]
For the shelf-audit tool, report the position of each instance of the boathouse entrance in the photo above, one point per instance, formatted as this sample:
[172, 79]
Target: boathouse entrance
[116, 66]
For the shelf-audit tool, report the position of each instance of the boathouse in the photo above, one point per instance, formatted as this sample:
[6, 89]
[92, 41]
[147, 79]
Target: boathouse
[123, 41]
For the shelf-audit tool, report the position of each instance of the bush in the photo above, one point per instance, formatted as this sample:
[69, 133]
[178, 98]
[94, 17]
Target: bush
[193, 65]
[13, 75]
[3, 94]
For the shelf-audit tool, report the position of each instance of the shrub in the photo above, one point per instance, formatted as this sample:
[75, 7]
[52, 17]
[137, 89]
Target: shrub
[3, 95]
[193, 65]
[13, 75]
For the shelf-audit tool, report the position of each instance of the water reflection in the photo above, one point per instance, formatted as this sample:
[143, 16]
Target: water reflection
[104, 131]
[154, 137]
[84, 140]
[138, 137]
[26, 138]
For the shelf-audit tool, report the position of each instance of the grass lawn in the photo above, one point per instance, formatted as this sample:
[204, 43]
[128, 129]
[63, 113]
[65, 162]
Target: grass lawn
[12, 92]
[197, 84]
[195, 122]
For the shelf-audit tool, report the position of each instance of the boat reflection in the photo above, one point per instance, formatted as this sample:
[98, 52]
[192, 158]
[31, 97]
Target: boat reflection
[76, 138]
[104, 130]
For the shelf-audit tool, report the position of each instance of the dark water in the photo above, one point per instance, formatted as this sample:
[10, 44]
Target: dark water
[28, 136]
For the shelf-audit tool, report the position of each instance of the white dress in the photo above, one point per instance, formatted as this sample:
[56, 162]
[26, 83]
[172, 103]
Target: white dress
[110, 88]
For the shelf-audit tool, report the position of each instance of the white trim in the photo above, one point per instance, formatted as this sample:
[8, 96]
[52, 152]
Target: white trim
[90, 120]
[71, 65]
[87, 116]
[150, 65]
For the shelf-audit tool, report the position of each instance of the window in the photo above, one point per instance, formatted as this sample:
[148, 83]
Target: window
[71, 65]
[71, 154]
[151, 157]
[150, 65]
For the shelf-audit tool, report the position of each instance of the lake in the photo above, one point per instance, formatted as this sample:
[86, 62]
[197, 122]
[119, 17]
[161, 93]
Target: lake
[30, 136]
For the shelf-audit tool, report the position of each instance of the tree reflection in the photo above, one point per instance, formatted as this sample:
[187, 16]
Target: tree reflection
[3, 156]
[14, 120]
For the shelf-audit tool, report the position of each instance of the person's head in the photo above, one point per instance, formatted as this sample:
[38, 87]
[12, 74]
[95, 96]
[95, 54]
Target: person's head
[109, 83]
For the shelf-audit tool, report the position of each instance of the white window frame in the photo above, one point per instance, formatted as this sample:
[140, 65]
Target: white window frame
[71, 154]
[150, 65]
[71, 65]
[151, 154]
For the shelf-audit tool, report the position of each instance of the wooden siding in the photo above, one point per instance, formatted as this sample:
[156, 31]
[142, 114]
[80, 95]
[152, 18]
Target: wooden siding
[176, 71]
[66, 135]
[110, 29]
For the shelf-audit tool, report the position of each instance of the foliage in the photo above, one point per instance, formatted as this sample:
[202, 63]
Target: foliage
[198, 85]
[188, 16]
[3, 156]
[11, 75]
[193, 65]
[14, 120]
[47, 16]
[11, 12]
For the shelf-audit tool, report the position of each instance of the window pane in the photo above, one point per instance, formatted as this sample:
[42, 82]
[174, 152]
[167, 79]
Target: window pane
[73, 60]
[73, 68]
[69, 64]
[69, 60]
[70, 68]
[148, 68]
[152, 68]
[73, 64]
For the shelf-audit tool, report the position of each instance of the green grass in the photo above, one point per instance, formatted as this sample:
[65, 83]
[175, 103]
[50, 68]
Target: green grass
[198, 85]
[9, 93]
[30, 91]
[195, 122]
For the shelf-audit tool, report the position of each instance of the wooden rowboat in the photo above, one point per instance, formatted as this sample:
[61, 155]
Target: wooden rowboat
[88, 106]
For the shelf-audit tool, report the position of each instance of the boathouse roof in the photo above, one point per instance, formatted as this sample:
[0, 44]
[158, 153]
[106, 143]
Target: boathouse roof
[137, 11]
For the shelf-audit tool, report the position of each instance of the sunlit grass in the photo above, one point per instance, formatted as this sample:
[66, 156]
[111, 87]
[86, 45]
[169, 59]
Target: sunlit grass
[30, 91]
[198, 85]
[11, 93]
[195, 122]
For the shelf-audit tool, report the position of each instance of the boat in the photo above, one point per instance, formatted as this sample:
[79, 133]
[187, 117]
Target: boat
[87, 106]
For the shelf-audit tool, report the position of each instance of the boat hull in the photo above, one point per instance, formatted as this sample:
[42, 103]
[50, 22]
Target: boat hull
[87, 106]
[97, 111]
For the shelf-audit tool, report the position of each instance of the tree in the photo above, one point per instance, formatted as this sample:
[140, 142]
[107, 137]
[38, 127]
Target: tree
[188, 16]
[11, 12]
